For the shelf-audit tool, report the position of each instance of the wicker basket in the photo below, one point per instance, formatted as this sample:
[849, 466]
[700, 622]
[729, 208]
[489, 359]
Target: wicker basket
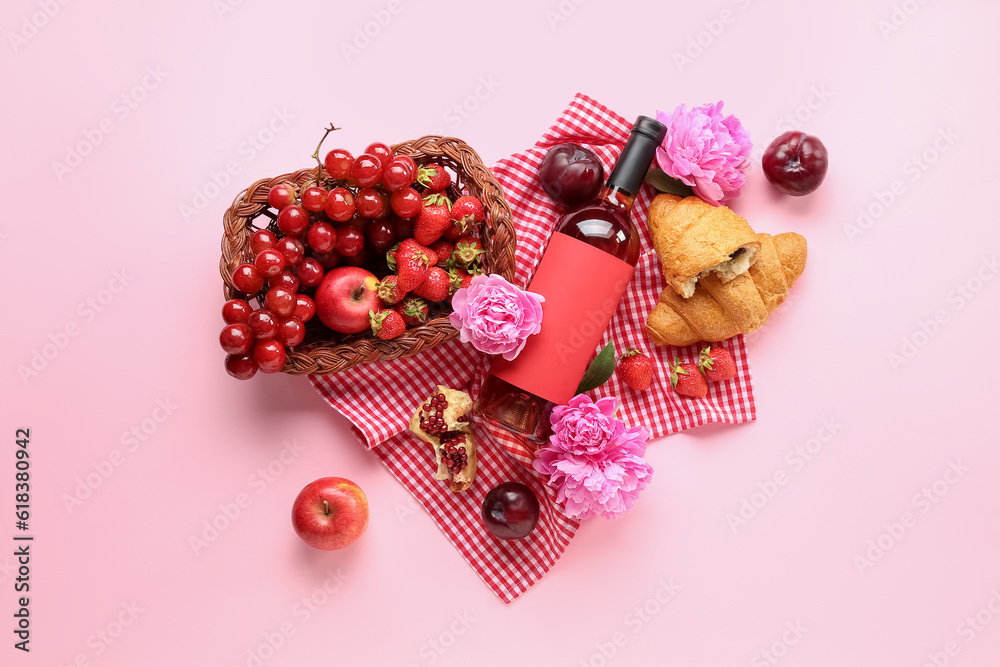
[324, 351]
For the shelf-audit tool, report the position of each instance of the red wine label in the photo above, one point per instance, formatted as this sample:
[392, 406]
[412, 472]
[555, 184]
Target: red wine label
[582, 287]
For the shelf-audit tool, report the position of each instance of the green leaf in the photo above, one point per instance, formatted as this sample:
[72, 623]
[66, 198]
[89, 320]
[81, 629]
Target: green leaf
[600, 369]
[659, 180]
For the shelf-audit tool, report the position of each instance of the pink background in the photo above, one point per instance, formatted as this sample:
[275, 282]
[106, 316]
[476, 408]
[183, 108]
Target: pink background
[881, 95]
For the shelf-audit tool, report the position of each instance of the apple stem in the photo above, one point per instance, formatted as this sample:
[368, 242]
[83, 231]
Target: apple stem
[315, 155]
[326, 508]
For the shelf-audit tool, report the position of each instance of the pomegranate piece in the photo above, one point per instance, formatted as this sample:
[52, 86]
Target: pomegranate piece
[443, 421]
[432, 415]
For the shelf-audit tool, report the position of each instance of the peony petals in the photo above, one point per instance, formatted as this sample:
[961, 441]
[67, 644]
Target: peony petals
[593, 460]
[495, 316]
[706, 150]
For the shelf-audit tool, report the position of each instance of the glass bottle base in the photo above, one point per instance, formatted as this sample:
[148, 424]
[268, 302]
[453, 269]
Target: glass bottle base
[513, 409]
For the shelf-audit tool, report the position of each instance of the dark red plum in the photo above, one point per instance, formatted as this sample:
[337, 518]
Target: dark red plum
[571, 175]
[795, 163]
[510, 511]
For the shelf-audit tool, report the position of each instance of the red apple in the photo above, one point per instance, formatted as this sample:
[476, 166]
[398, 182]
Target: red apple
[344, 298]
[330, 513]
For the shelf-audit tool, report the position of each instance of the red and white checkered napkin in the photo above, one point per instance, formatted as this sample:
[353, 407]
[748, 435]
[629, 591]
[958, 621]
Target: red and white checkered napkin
[379, 398]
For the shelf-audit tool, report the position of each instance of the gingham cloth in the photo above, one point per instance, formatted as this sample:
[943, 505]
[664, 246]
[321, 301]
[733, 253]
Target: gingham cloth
[379, 398]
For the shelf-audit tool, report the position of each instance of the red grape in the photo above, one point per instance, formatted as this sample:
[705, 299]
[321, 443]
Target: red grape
[795, 163]
[305, 308]
[263, 324]
[236, 310]
[262, 239]
[314, 199]
[399, 173]
[338, 163]
[385, 210]
[406, 203]
[381, 151]
[369, 202]
[310, 272]
[359, 222]
[350, 240]
[269, 262]
[285, 279]
[241, 366]
[293, 220]
[291, 331]
[328, 259]
[280, 301]
[402, 227]
[281, 195]
[269, 355]
[236, 338]
[381, 235]
[340, 205]
[247, 279]
[359, 259]
[366, 170]
[409, 161]
[292, 249]
[322, 237]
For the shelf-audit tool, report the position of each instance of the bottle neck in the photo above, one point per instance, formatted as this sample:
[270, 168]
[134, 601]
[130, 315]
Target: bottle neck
[633, 163]
[616, 197]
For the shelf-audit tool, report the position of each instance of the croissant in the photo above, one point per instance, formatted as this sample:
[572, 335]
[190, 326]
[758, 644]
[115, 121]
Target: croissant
[719, 310]
[695, 239]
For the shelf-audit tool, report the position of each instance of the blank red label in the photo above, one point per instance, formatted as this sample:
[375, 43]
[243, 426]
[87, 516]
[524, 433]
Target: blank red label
[582, 287]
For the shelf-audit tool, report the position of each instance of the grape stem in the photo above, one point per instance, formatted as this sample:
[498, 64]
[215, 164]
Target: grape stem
[315, 155]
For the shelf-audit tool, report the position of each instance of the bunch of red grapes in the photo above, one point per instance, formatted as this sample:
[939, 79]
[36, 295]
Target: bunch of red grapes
[355, 213]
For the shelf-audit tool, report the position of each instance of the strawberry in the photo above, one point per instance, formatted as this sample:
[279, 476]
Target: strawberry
[465, 218]
[635, 369]
[443, 249]
[457, 277]
[433, 219]
[687, 380]
[716, 364]
[473, 272]
[433, 177]
[414, 310]
[388, 289]
[436, 286]
[454, 232]
[469, 210]
[390, 257]
[386, 324]
[463, 277]
[412, 265]
[412, 244]
[467, 251]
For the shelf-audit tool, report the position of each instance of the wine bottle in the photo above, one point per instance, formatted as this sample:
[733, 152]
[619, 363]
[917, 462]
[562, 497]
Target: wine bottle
[583, 274]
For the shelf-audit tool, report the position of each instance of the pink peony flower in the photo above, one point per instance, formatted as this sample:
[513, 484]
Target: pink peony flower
[496, 316]
[706, 150]
[593, 460]
[584, 426]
